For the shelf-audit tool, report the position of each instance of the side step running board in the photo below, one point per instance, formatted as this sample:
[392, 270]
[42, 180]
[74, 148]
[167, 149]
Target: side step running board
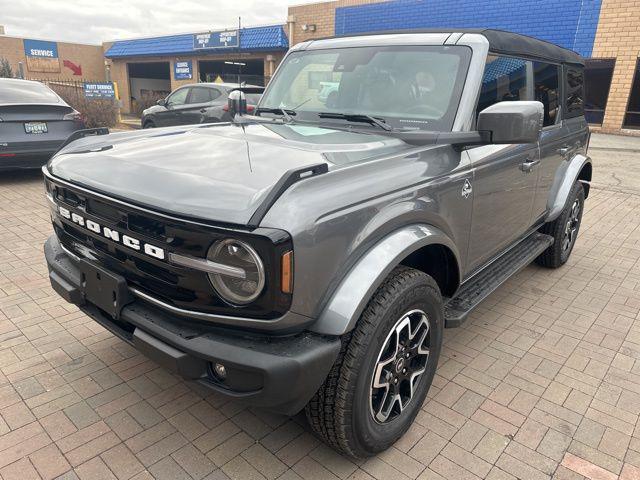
[488, 280]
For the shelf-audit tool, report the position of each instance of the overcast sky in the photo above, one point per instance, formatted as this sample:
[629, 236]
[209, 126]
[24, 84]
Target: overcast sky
[95, 21]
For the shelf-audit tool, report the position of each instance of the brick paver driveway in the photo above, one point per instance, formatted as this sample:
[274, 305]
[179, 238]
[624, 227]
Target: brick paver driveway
[543, 381]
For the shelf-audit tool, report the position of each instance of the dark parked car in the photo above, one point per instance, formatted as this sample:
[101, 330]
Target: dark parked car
[34, 123]
[196, 103]
[309, 256]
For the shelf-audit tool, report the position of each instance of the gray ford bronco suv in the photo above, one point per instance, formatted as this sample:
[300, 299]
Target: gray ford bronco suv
[309, 256]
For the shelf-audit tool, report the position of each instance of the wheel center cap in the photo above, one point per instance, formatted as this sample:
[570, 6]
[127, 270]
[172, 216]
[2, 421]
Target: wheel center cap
[399, 365]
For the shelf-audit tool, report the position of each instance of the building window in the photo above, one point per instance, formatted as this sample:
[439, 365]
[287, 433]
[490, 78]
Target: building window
[632, 118]
[546, 90]
[505, 79]
[574, 92]
[598, 73]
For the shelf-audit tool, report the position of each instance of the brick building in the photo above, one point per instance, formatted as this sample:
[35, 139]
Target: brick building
[606, 32]
[158, 65]
[43, 59]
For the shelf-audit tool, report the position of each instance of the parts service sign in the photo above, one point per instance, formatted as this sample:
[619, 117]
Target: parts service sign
[182, 70]
[226, 39]
[42, 56]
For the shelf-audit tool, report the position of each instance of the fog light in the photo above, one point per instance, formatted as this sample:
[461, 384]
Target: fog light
[220, 371]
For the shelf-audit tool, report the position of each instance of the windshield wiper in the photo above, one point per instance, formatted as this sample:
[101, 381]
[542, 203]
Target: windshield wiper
[357, 117]
[286, 113]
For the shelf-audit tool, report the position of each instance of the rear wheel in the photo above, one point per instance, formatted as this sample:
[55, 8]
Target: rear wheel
[385, 368]
[564, 230]
[149, 124]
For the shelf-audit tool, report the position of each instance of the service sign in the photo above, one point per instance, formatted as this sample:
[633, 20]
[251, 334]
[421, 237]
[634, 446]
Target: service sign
[42, 56]
[99, 90]
[226, 39]
[182, 70]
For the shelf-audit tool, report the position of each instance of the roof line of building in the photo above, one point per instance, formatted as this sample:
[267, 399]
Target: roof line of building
[192, 32]
[20, 37]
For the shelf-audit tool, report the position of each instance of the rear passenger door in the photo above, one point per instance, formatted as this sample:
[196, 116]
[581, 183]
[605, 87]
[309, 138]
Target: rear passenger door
[505, 176]
[199, 99]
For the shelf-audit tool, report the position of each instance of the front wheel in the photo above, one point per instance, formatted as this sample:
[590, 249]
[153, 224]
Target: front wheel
[385, 368]
[564, 230]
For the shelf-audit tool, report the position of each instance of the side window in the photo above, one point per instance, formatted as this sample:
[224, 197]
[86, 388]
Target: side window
[504, 79]
[547, 90]
[574, 88]
[199, 95]
[214, 93]
[179, 97]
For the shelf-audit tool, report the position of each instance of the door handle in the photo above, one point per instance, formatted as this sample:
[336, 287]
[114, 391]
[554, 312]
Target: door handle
[564, 151]
[203, 110]
[527, 166]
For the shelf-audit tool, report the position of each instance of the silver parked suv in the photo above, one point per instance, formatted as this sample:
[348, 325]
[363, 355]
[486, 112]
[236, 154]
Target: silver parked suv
[309, 256]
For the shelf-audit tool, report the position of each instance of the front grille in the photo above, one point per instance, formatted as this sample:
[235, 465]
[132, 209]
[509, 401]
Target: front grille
[178, 286]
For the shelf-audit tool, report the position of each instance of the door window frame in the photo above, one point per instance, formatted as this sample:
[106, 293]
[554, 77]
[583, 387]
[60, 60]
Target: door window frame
[530, 88]
[186, 98]
[192, 89]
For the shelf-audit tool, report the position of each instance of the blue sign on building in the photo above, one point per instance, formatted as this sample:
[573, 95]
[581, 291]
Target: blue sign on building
[40, 48]
[99, 90]
[226, 39]
[183, 70]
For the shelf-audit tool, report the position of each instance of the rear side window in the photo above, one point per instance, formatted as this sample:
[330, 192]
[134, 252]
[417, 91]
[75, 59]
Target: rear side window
[574, 86]
[547, 90]
[17, 91]
[200, 95]
[504, 79]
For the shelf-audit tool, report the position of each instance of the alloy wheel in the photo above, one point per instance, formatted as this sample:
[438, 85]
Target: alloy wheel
[571, 228]
[401, 362]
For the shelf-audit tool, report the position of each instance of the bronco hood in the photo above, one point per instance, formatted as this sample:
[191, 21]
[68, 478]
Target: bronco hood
[216, 172]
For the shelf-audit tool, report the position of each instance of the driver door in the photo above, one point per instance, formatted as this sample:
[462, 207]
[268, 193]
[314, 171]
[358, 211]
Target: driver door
[505, 176]
[176, 103]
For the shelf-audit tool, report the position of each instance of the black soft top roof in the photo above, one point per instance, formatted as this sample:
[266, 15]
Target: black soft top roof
[507, 43]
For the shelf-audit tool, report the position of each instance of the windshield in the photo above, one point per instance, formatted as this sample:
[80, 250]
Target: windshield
[252, 98]
[15, 91]
[406, 86]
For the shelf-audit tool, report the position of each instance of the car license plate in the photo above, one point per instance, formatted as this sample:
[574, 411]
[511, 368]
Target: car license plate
[105, 290]
[35, 127]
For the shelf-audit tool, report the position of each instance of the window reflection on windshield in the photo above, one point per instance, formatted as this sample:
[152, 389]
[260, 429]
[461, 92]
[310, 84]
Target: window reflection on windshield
[406, 86]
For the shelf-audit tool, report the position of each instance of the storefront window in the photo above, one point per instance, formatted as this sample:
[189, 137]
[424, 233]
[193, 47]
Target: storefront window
[597, 75]
[632, 118]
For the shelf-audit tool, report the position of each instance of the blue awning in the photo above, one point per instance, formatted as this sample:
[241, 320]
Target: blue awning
[253, 39]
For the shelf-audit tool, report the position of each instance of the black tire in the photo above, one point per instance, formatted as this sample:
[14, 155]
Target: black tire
[557, 254]
[341, 412]
[149, 124]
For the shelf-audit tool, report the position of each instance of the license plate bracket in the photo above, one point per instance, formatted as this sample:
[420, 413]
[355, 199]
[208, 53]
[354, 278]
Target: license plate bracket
[104, 289]
[36, 128]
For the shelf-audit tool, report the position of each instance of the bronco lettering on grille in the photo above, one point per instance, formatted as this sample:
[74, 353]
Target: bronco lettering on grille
[113, 235]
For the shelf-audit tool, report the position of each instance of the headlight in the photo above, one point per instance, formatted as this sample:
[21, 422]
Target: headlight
[234, 288]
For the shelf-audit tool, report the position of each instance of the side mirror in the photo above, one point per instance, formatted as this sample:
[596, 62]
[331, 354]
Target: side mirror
[512, 122]
[237, 103]
[162, 102]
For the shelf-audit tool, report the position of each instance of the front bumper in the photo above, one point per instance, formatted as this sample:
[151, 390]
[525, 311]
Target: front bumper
[280, 374]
